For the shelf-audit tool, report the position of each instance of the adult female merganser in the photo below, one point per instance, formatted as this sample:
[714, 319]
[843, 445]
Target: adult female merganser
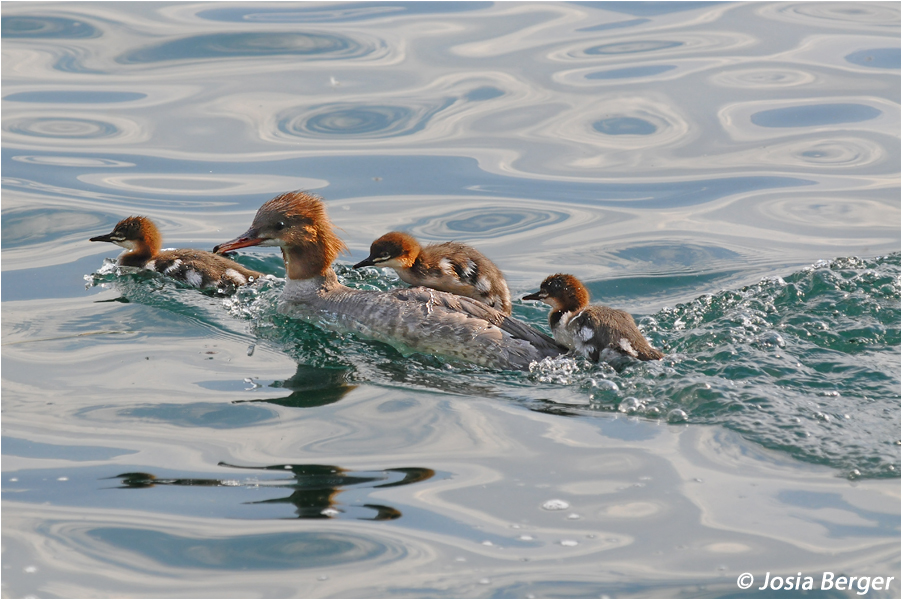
[142, 241]
[418, 319]
[449, 267]
[594, 331]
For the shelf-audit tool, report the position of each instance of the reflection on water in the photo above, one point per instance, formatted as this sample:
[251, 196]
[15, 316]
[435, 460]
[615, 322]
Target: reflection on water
[311, 387]
[812, 116]
[359, 121]
[879, 58]
[315, 488]
[56, 28]
[275, 551]
[701, 165]
[231, 45]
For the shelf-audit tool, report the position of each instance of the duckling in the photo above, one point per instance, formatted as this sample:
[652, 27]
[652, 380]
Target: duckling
[449, 267]
[419, 319]
[594, 331]
[142, 242]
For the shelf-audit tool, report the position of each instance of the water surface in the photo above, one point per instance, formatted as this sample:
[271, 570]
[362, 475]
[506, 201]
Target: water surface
[728, 173]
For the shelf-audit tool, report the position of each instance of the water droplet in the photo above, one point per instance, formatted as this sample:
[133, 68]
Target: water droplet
[460, 559]
[322, 577]
[485, 581]
[330, 512]
[605, 384]
[630, 405]
[526, 538]
[62, 479]
[772, 338]
[31, 569]
[574, 516]
[677, 416]
[250, 349]
[487, 543]
[556, 505]
[568, 543]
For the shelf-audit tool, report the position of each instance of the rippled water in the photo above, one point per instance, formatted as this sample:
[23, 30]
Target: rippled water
[727, 173]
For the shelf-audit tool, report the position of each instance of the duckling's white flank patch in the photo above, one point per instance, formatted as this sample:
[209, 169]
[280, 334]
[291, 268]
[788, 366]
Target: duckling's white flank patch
[627, 347]
[235, 276]
[174, 266]
[586, 333]
[446, 266]
[193, 277]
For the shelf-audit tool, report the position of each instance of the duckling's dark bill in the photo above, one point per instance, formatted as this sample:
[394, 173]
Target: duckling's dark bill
[366, 262]
[536, 295]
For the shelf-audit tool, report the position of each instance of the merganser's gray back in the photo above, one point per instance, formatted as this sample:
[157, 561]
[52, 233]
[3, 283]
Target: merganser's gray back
[421, 319]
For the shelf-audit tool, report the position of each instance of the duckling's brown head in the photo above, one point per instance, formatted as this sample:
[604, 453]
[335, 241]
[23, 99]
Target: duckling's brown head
[297, 222]
[134, 234]
[396, 249]
[561, 292]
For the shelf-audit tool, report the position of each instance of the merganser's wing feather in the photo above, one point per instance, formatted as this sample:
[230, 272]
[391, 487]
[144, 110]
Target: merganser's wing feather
[422, 320]
[517, 329]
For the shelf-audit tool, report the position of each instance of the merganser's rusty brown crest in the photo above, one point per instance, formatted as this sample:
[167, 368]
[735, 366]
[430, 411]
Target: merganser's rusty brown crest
[416, 319]
[597, 332]
[142, 242]
[449, 266]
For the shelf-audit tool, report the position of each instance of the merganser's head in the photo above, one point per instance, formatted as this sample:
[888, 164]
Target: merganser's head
[561, 292]
[134, 234]
[296, 222]
[395, 249]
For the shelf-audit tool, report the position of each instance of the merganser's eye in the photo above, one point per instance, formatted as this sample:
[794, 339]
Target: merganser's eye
[280, 226]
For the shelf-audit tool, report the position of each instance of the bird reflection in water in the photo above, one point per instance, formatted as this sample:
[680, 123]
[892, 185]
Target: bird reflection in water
[314, 488]
[311, 387]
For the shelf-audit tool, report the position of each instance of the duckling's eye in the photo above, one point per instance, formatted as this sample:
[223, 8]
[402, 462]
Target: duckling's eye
[280, 226]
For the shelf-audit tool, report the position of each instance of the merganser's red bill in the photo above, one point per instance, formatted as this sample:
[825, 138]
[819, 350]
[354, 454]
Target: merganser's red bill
[248, 238]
